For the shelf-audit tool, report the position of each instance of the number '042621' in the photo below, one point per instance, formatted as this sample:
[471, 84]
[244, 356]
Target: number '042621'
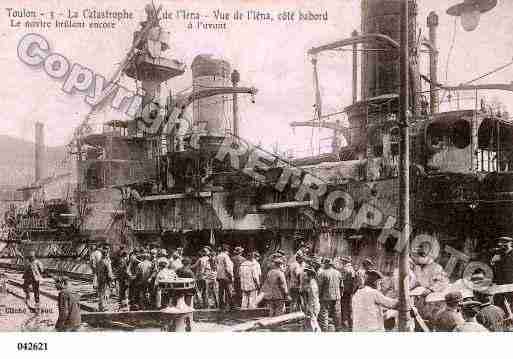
[32, 346]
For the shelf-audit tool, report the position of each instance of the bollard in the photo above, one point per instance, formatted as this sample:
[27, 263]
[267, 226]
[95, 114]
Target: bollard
[177, 318]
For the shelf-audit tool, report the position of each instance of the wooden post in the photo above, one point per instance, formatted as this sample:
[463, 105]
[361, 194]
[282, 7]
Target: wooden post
[404, 174]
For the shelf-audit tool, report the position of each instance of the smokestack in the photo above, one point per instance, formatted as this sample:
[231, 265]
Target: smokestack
[39, 151]
[432, 23]
[208, 71]
[355, 69]
[380, 70]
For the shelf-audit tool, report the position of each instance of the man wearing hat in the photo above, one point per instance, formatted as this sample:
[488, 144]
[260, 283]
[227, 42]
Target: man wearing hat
[224, 267]
[489, 315]
[95, 257]
[451, 317]
[237, 260]
[279, 253]
[267, 262]
[316, 264]
[470, 309]
[202, 269]
[503, 271]
[144, 273]
[349, 278]
[175, 261]
[105, 278]
[255, 259]
[133, 290]
[154, 253]
[294, 277]
[163, 253]
[331, 286]
[69, 318]
[311, 296]
[366, 265]
[368, 303]
[277, 287]
[123, 277]
[249, 282]
[212, 285]
[32, 276]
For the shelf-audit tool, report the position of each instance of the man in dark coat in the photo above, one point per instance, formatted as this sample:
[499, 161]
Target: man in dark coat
[32, 275]
[349, 278]
[278, 292]
[69, 307]
[331, 285]
[451, 317]
[503, 271]
[144, 272]
[489, 315]
[123, 276]
[237, 260]
[469, 309]
[133, 290]
[224, 276]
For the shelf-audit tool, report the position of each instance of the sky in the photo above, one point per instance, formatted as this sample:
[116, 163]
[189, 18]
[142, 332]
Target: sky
[269, 55]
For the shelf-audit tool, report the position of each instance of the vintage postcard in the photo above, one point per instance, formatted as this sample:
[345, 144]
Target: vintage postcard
[256, 166]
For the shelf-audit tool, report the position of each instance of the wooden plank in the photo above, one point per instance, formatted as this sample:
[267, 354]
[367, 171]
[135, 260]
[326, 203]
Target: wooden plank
[220, 315]
[198, 315]
[269, 323]
[164, 197]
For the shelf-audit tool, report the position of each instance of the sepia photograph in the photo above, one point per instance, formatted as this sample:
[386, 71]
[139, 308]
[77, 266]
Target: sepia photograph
[256, 166]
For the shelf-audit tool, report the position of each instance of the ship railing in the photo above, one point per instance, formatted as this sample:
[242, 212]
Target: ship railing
[112, 128]
[33, 223]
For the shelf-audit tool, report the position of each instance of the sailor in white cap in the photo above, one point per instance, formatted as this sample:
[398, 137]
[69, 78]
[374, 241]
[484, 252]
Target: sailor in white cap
[470, 309]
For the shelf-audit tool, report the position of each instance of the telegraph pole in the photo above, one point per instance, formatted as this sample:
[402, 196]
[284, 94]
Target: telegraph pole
[404, 173]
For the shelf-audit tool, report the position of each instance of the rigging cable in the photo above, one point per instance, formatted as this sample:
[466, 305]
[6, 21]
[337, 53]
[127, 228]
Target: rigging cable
[449, 55]
[500, 68]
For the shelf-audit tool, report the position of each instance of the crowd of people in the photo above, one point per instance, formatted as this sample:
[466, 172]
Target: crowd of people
[222, 280]
[227, 279]
[333, 294]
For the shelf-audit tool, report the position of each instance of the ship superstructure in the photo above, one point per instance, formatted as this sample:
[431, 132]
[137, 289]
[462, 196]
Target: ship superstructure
[159, 178]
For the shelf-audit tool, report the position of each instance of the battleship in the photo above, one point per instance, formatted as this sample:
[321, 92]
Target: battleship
[135, 183]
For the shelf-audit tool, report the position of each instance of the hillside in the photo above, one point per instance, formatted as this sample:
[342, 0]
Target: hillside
[17, 160]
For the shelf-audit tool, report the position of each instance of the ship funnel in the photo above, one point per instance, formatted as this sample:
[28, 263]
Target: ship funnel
[211, 113]
[380, 70]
